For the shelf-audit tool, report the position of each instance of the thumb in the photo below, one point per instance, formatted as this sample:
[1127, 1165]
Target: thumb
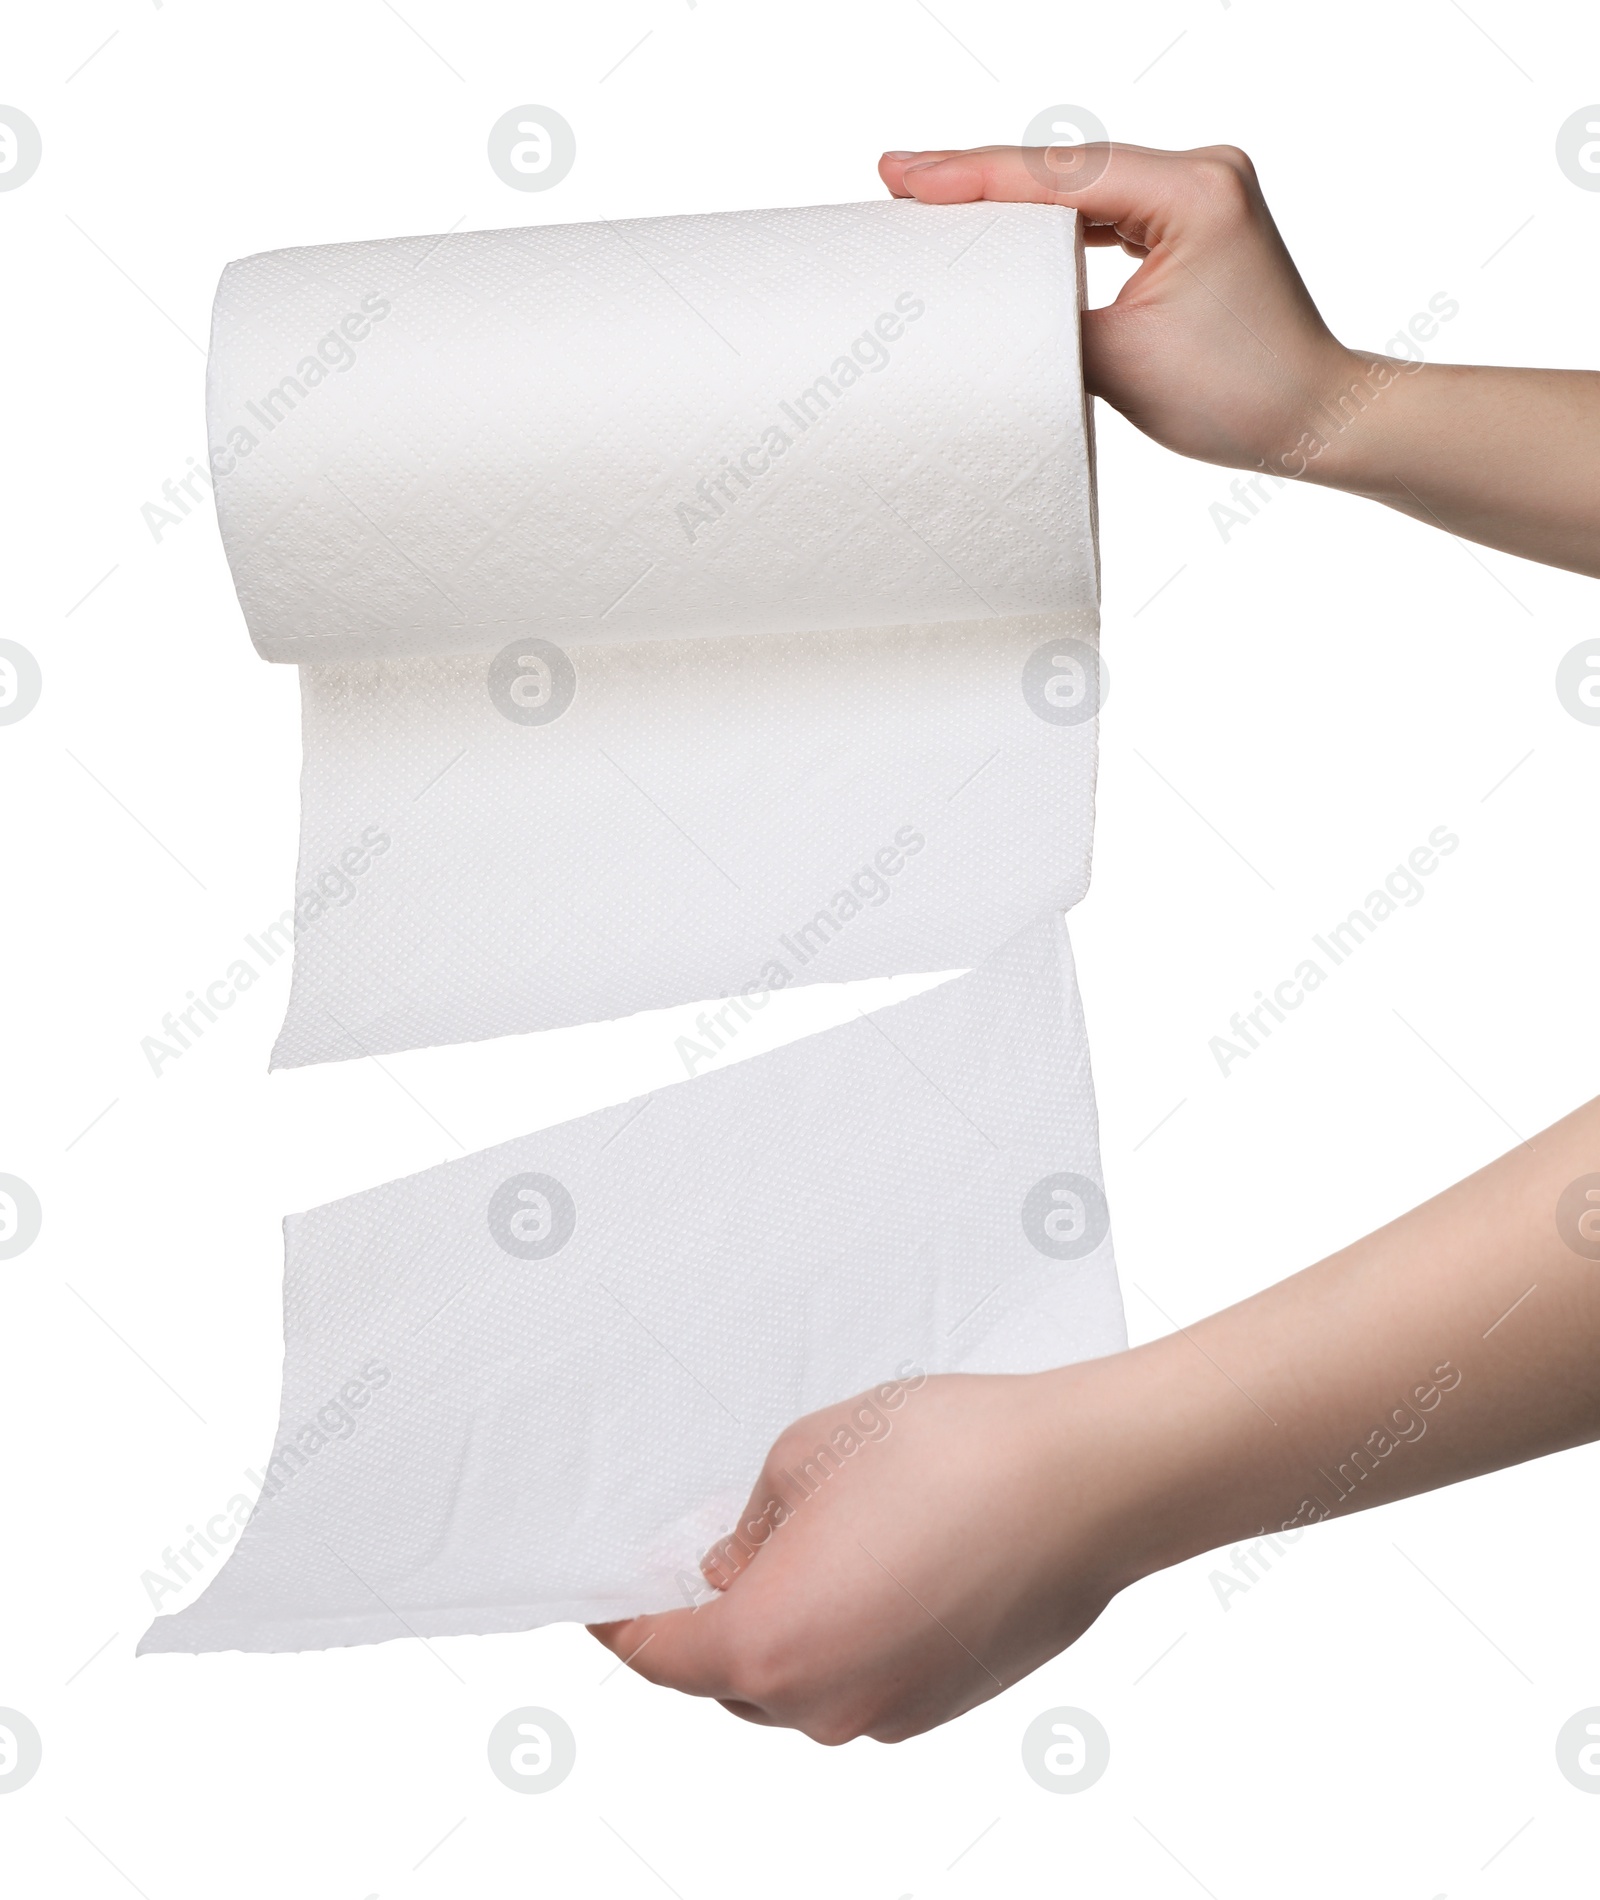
[679, 1649]
[774, 1498]
[690, 1649]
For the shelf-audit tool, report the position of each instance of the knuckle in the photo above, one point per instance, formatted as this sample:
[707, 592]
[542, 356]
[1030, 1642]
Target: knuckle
[793, 1445]
[762, 1669]
[1224, 186]
[832, 1731]
[1235, 159]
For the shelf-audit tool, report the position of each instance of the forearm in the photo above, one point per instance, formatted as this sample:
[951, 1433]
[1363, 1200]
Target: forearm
[1463, 1337]
[1506, 457]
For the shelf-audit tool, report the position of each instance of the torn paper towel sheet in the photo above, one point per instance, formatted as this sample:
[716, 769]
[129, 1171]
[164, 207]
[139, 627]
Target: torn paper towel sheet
[708, 819]
[685, 609]
[563, 1435]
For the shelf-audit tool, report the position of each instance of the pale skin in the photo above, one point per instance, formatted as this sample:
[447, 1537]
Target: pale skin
[984, 1522]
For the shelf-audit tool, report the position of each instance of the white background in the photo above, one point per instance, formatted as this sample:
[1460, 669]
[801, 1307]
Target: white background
[1293, 712]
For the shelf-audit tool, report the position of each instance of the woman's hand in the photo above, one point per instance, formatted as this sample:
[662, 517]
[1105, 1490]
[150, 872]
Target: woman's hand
[883, 1589]
[1213, 346]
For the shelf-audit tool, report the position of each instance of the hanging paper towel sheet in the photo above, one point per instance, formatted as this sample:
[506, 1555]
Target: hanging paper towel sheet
[686, 609]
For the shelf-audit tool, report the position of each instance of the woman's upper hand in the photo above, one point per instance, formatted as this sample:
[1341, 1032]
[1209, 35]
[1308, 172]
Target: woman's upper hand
[1213, 346]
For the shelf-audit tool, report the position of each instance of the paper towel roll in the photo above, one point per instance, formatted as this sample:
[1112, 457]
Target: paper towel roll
[746, 422]
[686, 608]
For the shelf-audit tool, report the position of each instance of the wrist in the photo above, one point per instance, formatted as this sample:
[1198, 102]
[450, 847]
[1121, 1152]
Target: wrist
[1345, 428]
[1165, 1454]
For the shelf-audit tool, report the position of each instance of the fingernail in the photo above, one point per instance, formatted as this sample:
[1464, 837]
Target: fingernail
[899, 154]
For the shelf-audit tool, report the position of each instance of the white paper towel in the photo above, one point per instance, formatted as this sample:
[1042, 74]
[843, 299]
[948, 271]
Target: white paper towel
[574, 430]
[564, 1436]
[686, 608]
